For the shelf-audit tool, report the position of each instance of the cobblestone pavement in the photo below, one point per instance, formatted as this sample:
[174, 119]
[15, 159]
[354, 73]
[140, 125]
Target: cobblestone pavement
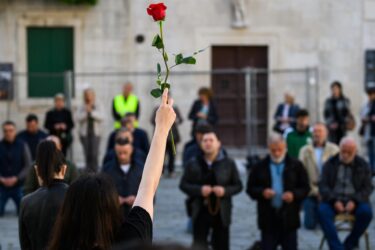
[170, 222]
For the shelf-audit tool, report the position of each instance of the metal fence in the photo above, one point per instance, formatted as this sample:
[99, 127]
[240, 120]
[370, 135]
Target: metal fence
[248, 96]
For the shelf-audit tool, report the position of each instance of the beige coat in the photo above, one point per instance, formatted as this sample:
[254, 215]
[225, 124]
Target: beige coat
[307, 157]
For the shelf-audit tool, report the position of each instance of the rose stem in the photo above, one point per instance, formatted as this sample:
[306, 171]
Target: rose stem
[166, 78]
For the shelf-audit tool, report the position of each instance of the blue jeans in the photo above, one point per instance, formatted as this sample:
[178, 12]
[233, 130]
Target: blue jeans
[310, 209]
[371, 153]
[14, 193]
[363, 216]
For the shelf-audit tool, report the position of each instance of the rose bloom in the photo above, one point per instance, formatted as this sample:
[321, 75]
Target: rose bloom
[157, 11]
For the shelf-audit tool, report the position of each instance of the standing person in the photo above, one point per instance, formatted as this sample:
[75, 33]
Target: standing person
[337, 113]
[313, 156]
[299, 136]
[285, 115]
[71, 172]
[90, 219]
[279, 184]
[32, 135]
[126, 174]
[176, 137]
[211, 180]
[345, 188]
[59, 122]
[125, 103]
[15, 161]
[193, 147]
[203, 109]
[140, 135]
[191, 150]
[122, 134]
[367, 129]
[39, 209]
[90, 117]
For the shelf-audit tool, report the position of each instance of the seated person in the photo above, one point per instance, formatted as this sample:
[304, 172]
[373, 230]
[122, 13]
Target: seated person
[345, 187]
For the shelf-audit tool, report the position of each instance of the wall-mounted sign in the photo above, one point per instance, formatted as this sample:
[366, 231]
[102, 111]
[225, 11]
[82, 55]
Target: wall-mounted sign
[6, 81]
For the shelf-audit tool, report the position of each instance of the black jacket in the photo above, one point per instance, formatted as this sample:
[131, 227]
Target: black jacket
[38, 215]
[295, 180]
[226, 175]
[126, 184]
[212, 117]
[361, 179]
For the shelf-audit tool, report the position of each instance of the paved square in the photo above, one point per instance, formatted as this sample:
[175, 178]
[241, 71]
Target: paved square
[170, 222]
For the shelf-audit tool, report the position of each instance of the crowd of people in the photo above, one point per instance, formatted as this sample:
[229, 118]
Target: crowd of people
[311, 167]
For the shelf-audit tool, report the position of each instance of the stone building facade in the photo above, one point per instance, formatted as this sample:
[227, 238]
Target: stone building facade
[328, 35]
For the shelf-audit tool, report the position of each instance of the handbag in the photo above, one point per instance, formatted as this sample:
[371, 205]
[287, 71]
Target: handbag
[350, 122]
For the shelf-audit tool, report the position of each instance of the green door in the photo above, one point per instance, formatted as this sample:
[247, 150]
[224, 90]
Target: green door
[49, 51]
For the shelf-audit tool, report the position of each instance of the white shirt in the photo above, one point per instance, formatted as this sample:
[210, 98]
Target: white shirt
[125, 168]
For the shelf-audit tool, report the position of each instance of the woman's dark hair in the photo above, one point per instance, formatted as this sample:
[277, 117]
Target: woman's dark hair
[49, 161]
[143, 246]
[338, 85]
[90, 215]
[206, 92]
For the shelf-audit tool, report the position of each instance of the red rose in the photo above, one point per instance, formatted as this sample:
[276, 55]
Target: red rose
[157, 11]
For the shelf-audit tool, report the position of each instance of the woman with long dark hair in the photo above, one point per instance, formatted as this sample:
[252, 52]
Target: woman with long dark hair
[90, 217]
[337, 113]
[39, 209]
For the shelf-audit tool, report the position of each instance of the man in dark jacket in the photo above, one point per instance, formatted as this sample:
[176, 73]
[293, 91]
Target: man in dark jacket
[211, 179]
[59, 122]
[279, 183]
[138, 155]
[32, 135]
[15, 161]
[345, 187]
[285, 115]
[140, 136]
[126, 173]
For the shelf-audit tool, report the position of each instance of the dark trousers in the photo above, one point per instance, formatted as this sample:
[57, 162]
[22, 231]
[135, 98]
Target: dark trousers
[371, 153]
[171, 157]
[363, 216]
[91, 149]
[278, 237]
[201, 230]
[14, 193]
[310, 209]
[336, 135]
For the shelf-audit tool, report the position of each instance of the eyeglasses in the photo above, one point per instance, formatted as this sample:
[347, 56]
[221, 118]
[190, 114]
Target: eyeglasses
[122, 141]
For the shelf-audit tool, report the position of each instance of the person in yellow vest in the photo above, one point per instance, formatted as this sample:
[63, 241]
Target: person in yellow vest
[125, 103]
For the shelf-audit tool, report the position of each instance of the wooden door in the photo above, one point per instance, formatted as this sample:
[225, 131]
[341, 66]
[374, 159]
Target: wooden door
[230, 95]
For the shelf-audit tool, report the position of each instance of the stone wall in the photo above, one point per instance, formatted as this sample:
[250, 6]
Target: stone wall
[328, 34]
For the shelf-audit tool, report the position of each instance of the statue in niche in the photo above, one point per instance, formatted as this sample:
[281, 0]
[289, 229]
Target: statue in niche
[239, 14]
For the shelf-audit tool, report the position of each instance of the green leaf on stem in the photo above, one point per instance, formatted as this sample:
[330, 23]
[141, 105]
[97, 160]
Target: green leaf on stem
[165, 56]
[189, 60]
[157, 42]
[199, 51]
[158, 82]
[165, 85]
[159, 69]
[178, 59]
[156, 93]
